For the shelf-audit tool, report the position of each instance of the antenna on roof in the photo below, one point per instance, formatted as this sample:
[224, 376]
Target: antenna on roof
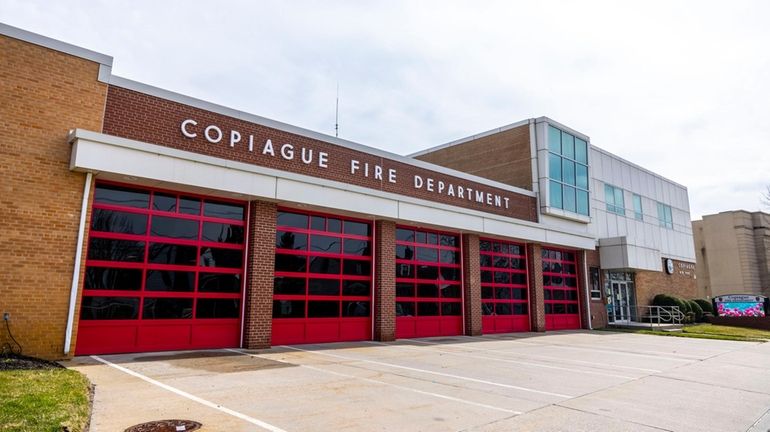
[337, 113]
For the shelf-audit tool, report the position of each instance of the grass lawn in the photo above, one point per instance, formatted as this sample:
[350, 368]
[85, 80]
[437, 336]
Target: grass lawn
[710, 331]
[43, 400]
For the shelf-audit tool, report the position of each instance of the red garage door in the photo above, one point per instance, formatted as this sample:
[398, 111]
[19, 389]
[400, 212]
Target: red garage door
[323, 279]
[428, 287]
[163, 272]
[504, 287]
[560, 285]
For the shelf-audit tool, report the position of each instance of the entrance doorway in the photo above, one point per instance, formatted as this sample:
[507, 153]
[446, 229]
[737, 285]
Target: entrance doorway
[622, 295]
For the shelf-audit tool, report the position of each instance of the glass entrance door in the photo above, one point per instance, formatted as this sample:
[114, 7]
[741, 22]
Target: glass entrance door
[620, 301]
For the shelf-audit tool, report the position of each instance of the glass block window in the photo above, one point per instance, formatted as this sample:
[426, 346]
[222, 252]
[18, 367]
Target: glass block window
[614, 198]
[665, 218]
[638, 215]
[567, 171]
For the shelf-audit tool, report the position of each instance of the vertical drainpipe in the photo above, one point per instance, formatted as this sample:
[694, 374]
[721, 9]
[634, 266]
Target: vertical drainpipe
[76, 269]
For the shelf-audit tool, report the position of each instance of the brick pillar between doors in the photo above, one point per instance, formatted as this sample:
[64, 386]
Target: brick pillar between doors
[385, 281]
[260, 267]
[536, 297]
[472, 284]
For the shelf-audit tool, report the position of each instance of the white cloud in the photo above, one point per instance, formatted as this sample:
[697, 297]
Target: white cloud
[678, 87]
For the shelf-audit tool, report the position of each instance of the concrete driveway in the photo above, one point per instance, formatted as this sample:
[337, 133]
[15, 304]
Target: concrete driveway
[560, 381]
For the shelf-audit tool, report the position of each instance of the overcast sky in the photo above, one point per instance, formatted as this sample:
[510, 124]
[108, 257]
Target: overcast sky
[679, 87]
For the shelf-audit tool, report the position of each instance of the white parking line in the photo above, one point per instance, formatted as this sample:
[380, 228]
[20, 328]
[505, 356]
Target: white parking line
[497, 359]
[422, 392]
[538, 356]
[192, 397]
[459, 377]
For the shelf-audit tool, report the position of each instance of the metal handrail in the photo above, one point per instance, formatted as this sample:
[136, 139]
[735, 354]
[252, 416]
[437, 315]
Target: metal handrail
[656, 315]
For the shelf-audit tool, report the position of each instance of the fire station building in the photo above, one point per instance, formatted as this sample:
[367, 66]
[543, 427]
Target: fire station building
[138, 219]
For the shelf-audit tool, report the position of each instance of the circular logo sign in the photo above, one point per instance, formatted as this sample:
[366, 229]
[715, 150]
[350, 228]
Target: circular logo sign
[669, 266]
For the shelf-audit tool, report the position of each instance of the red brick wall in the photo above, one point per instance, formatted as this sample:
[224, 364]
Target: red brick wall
[598, 307]
[472, 284]
[536, 296]
[260, 268]
[142, 117]
[504, 156]
[385, 281]
[43, 94]
[650, 283]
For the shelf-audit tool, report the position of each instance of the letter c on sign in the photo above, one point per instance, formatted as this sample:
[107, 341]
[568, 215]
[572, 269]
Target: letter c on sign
[185, 132]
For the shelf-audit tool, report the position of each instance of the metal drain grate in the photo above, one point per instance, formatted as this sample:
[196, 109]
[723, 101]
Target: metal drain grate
[166, 426]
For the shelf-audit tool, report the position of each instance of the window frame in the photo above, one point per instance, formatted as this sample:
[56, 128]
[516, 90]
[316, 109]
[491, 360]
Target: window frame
[567, 189]
[612, 192]
[665, 216]
[638, 211]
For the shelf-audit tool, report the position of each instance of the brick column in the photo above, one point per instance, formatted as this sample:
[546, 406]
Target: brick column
[260, 268]
[536, 296]
[385, 281]
[582, 280]
[471, 285]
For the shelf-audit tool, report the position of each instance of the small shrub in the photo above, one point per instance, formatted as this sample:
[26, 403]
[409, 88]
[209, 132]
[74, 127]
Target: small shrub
[696, 310]
[705, 305]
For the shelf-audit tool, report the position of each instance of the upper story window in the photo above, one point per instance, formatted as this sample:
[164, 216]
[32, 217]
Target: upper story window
[638, 214]
[614, 198]
[665, 219]
[567, 171]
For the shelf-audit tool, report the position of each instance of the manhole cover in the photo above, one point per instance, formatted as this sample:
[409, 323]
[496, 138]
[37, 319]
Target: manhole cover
[165, 426]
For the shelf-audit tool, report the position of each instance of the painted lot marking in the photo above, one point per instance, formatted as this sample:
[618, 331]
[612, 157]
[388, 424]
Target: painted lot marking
[542, 357]
[400, 387]
[429, 372]
[497, 359]
[244, 417]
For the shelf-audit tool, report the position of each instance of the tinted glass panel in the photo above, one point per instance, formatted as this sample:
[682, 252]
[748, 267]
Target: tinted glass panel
[318, 223]
[215, 257]
[167, 308]
[290, 263]
[355, 309]
[559, 308]
[291, 286]
[518, 278]
[324, 265]
[501, 262]
[357, 228]
[163, 226]
[325, 244]
[502, 293]
[520, 309]
[519, 293]
[356, 247]
[517, 263]
[487, 292]
[288, 309]
[404, 289]
[503, 309]
[554, 139]
[218, 308]
[485, 261]
[404, 252]
[567, 145]
[486, 276]
[161, 253]
[323, 287]
[582, 202]
[502, 277]
[485, 246]
[570, 201]
[323, 309]
[557, 294]
[427, 309]
[420, 237]
[222, 233]
[404, 234]
[290, 240]
[404, 309]
[581, 176]
[405, 270]
[451, 309]
[162, 280]
[113, 279]
[581, 151]
[554, 166]
[355, 288]
[219, 282]
[450, 257]
[109, 308]
[555, 194]
[572, 309]
[426, 290]
[115, 250]
[548, 308]
[223, 210]
[333, 225]
[357, 268]
[118, 222]
[189, 205]
[427, 272]
[447, 240]
[487, 308]
[164, 202]
[117, 195]
[426, 254]
[292, 220]
[450, 291]
[568, 172]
